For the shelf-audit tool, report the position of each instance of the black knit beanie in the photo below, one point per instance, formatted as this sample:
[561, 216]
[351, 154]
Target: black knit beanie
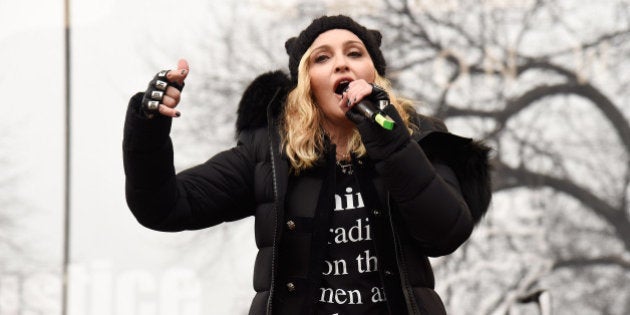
[297, 46]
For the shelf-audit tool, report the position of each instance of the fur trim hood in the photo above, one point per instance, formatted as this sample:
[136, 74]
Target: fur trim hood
[468, 158]
[268, 89]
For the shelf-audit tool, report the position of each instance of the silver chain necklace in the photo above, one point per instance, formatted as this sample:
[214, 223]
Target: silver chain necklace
[346, 168]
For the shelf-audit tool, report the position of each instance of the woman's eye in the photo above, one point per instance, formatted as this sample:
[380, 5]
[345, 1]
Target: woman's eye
[321, 58]
[355, 54]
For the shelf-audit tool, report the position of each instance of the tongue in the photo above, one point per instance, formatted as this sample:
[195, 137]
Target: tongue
[341, 87]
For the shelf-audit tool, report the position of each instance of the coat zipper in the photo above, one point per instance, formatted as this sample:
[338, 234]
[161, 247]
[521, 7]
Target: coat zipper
[402, 267]
[272, 148]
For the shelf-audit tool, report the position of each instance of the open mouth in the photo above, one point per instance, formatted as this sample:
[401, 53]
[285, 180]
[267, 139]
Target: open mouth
[342, 86]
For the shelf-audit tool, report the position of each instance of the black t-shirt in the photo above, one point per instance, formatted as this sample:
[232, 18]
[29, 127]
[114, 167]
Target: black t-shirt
[350, 279]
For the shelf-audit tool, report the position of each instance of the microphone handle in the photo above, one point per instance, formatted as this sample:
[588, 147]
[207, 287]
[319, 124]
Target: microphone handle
[367, 109]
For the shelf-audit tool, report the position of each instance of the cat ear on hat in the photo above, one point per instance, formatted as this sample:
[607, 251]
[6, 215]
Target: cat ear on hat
[289, 44]
[377, 36]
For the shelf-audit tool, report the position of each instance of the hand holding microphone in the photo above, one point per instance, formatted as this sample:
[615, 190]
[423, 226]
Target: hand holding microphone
[380, 139]
[367, 108]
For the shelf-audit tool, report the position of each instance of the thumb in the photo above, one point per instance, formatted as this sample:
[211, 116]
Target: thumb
[182, 64]
[180, 74]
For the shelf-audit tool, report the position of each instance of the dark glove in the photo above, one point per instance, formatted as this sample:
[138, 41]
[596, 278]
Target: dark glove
[155, 92]
[379, 142]
[371, 104]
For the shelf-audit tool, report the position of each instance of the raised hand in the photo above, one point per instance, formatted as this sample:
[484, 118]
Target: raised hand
[164, 91]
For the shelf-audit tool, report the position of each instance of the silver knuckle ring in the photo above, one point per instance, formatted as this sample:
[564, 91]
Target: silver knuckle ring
[161, 85]
[157, 95]
[153, 105]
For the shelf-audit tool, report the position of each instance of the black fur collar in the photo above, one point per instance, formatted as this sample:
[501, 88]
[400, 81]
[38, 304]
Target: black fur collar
[252, 109]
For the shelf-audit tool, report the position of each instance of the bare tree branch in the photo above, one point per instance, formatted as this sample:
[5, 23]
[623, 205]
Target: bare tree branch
[516, 105]
[583, 262]
[508, 177]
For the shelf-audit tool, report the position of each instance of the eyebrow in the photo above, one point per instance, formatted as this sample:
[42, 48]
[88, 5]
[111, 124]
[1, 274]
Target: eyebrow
[346, 43]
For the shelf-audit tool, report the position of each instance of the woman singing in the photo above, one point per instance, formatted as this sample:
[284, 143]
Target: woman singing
[351, 189]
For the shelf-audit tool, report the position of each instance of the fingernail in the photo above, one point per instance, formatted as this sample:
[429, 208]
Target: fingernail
[183, 71]
[177, 114]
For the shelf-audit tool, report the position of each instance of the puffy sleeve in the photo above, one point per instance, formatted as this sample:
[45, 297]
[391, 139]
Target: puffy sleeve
[440, 184]
[216, 191]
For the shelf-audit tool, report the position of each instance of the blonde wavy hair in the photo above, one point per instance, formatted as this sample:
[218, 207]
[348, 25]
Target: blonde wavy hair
[302, 121]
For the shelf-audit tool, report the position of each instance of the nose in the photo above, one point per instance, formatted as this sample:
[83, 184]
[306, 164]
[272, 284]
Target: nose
[341, 65]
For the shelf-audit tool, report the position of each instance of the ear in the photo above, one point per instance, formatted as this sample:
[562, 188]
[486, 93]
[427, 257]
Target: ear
[288, 45]
[377, 36]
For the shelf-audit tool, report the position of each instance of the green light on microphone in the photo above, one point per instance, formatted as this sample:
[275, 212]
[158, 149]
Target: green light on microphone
[385, 122]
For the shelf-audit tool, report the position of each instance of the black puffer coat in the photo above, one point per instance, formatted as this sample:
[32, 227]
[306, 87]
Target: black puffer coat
[438, 187]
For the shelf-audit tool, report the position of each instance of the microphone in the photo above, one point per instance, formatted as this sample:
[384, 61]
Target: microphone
[368, 109]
